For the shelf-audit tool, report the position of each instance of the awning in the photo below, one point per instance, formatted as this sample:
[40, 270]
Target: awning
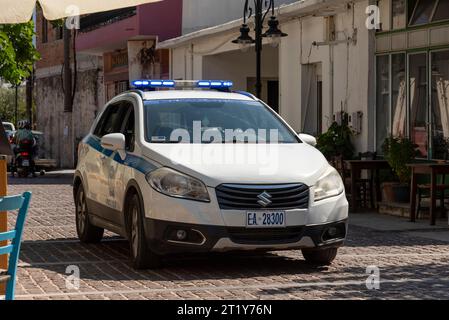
[19, 11]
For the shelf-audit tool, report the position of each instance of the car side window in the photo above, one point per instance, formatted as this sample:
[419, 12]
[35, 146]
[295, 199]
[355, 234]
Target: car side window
[111, 121]
[129, 129]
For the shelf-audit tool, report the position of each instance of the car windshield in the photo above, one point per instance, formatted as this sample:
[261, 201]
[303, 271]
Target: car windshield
[213, 121]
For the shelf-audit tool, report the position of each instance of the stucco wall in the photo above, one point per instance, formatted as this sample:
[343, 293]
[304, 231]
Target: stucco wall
[62, 130]
[238, 66]
[200, 14]
[350, 63]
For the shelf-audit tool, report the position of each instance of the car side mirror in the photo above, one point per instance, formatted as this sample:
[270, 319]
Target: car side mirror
[307, 138]
[114, 142]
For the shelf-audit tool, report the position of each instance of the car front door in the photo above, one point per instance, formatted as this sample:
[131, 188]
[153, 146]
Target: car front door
[100, 162]
[119, 172]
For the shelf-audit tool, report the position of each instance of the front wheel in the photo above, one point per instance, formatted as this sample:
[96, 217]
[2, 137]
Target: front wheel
[142, 256]
[87, 232]
[320, 256]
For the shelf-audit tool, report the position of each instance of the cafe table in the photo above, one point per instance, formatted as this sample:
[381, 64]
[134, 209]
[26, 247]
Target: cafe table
[433, 169]
[356, 167]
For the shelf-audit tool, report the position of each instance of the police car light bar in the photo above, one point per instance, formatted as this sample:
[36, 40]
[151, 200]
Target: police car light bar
[203, 84]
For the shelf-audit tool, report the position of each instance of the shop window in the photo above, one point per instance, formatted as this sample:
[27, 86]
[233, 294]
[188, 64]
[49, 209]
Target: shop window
[383, 100]
[440, 105]
[399, 19]
[418, 102]
[442, 11]
[59, 32]
[398, 95]
[44, 30]
[423, 12]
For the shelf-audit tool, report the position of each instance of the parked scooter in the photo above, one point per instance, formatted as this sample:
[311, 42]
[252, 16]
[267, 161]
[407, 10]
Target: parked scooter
[23, 163]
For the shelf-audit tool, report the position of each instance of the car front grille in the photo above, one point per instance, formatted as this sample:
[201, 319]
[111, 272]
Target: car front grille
[277, 196]
[265, 236]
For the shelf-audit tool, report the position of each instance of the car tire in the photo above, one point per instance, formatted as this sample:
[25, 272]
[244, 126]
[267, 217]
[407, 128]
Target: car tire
[320, 256]
[142, 256]
[87, 232]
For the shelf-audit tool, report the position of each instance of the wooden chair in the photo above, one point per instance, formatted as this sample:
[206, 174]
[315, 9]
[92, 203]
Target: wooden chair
[423, 192]
[367, 185]
[20, 203]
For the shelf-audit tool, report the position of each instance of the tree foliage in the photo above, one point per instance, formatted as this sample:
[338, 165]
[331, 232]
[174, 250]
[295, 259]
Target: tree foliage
[17, 52]
[7, 104]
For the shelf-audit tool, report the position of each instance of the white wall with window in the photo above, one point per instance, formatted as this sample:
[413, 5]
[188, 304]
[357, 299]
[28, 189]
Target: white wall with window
[412, 75]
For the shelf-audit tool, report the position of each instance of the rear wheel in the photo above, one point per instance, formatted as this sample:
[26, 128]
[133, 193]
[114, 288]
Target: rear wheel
[320, 256]
[87, 232]
[142, 256]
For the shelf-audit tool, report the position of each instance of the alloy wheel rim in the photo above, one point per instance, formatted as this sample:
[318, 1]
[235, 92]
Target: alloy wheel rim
[81, 212]
[134, 231]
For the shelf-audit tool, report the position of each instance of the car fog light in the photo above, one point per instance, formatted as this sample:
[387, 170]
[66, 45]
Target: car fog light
[181, 235]
[332, 231]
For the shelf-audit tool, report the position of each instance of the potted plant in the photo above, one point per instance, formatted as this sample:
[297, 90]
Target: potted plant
[336, 141]
[399, 151]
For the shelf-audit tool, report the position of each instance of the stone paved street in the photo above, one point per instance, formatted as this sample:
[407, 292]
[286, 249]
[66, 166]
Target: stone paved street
[410, 266]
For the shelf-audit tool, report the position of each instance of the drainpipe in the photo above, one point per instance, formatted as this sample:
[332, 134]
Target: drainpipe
[331, 82]
[191, 62]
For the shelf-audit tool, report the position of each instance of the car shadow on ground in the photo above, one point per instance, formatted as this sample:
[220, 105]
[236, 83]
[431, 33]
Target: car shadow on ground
[49, 179]
[109, 260]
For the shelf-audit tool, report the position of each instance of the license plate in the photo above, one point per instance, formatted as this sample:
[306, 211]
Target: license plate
[25, 163]
[265, 219]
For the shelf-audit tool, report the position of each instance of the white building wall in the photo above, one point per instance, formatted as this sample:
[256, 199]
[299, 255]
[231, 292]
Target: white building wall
[290, 75]
[200, 14]
[238, 66]
[345, 66]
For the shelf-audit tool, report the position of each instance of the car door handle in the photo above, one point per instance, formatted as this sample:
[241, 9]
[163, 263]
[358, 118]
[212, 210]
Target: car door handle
[103, 157]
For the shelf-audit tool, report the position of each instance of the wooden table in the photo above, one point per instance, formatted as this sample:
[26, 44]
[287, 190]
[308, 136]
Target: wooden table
[356, 167]
[430, 168]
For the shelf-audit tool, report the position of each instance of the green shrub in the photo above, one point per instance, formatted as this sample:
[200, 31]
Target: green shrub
[336, 141]
[398, 152]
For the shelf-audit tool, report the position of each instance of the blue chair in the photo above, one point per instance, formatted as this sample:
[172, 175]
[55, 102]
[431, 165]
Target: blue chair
[20, 203]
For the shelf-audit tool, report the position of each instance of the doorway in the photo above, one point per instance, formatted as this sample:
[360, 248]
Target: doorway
[312, 99]
[270, 91]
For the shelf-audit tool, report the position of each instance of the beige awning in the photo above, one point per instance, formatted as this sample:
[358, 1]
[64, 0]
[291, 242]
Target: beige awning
[18, 11]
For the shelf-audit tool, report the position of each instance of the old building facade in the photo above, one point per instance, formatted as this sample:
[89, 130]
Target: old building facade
[110, 49]
[385, 63]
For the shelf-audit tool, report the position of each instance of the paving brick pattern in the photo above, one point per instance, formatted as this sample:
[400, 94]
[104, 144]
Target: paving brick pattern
[410, 267]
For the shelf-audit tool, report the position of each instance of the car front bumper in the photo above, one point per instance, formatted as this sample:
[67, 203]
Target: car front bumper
[161, 237]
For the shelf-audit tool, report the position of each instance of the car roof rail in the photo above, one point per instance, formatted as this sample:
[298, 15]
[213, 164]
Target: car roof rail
[246, 94]
[139, 92]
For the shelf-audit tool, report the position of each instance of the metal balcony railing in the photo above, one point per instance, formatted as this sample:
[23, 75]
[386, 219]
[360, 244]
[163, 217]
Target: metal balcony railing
[96, 20]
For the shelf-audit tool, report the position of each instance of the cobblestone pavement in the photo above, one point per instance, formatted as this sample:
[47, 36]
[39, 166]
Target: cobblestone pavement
[410, 267]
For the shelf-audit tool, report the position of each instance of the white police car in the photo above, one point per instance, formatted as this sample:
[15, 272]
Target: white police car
[198, 168]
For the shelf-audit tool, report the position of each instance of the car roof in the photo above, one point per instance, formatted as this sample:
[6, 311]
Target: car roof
[195, 94]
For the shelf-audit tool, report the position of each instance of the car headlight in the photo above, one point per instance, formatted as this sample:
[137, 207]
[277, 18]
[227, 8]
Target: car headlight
[329, 185]
[177, 184]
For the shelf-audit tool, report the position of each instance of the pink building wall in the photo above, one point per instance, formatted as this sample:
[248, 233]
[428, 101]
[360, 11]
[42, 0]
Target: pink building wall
[161, 19]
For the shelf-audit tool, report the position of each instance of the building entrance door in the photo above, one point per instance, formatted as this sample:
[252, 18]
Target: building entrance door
[429, 102]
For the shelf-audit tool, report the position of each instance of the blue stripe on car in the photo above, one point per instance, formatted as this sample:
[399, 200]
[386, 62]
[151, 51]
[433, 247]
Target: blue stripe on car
[131, 161]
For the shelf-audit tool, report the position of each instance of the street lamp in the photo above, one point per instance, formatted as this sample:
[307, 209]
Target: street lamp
[273, 33]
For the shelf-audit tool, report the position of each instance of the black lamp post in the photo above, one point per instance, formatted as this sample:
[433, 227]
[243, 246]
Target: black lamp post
[273, 33]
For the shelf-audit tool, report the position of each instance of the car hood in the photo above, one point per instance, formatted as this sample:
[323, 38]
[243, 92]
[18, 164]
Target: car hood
[215, 164]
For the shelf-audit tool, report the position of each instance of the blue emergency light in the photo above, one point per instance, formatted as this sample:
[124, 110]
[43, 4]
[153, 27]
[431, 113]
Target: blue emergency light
[201, 84]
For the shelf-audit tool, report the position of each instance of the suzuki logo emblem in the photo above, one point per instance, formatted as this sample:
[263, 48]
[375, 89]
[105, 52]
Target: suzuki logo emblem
[264, 199]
